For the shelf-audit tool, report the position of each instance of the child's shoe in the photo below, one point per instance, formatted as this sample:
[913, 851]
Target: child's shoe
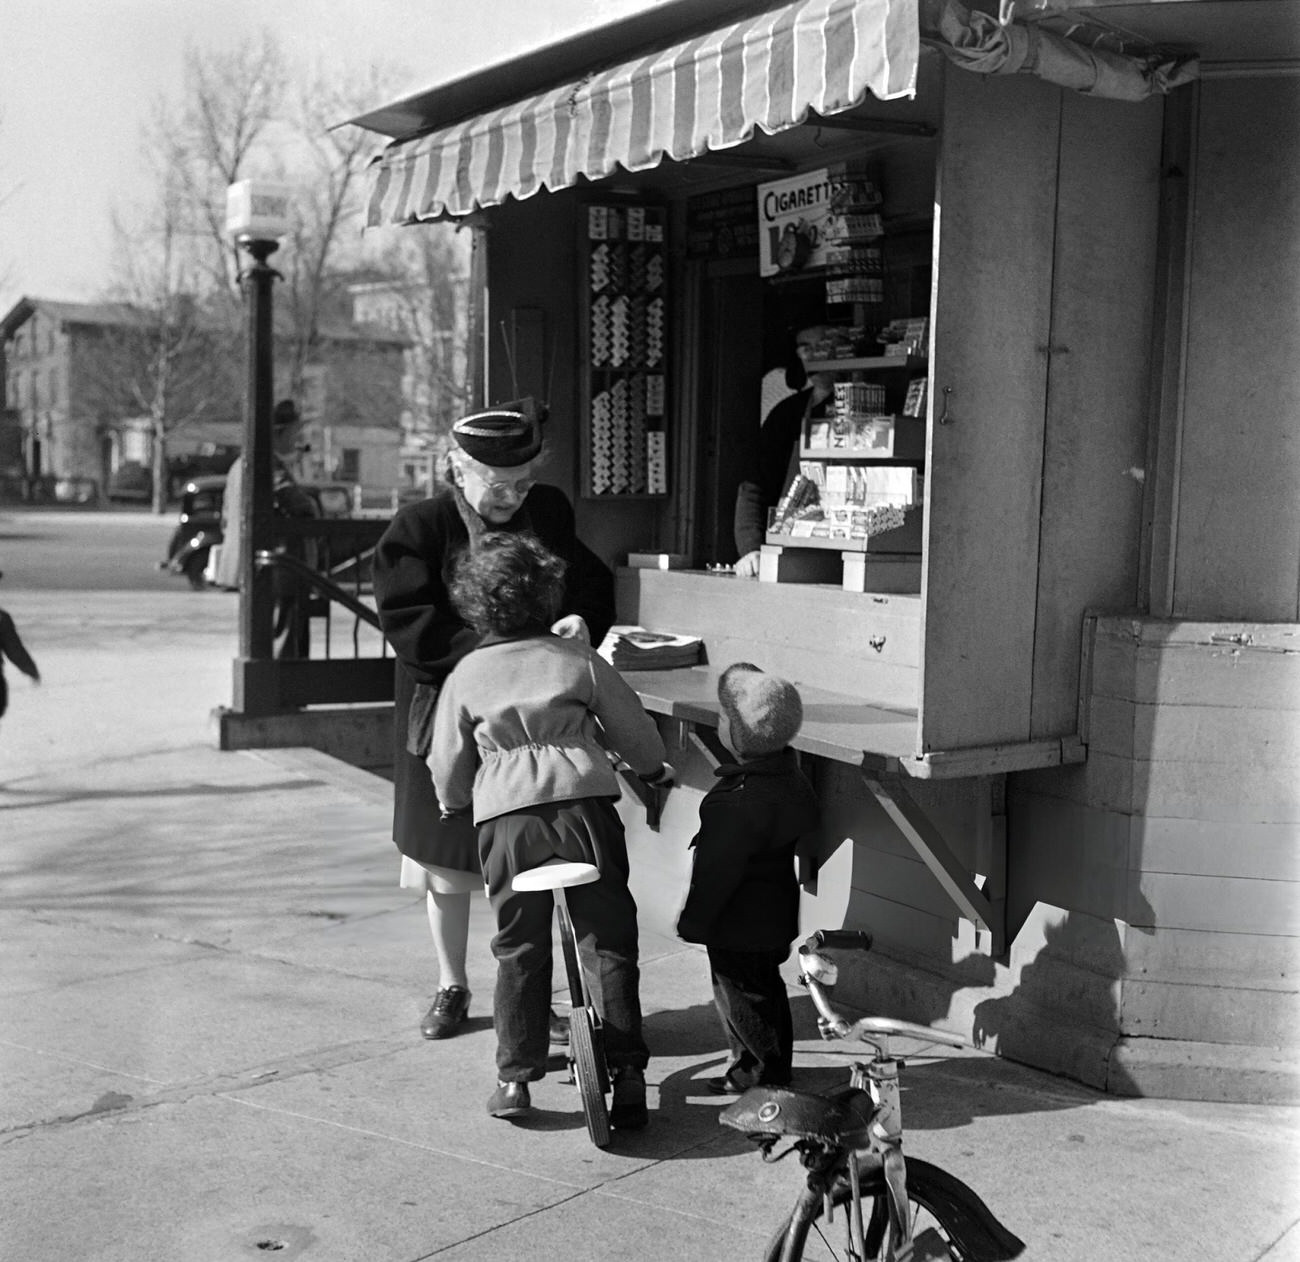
[628, 1112]
[734, 1082]
[510, 1099]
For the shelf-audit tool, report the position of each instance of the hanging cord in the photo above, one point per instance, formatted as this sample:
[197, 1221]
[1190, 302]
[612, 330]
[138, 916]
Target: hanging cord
[510, 359]
[550, 371]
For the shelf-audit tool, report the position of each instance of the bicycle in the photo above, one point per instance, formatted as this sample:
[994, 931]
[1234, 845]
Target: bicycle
[850, 1141]
[585, 1053]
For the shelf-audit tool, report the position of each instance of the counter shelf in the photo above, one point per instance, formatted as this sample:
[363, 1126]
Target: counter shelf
[878, 741]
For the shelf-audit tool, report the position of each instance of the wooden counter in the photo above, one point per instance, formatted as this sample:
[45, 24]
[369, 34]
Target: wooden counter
[840, 728]
[854, 656]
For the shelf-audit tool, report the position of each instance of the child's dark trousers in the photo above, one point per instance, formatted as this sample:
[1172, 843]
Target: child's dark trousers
[584, 830]
[755, 1010]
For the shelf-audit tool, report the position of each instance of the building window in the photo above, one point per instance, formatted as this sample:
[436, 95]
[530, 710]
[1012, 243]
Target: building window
[54, 387]
[349, 469]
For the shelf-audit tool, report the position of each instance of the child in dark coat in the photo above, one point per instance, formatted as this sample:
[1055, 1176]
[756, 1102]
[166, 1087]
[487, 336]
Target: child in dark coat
[11, 647]
[743, 902]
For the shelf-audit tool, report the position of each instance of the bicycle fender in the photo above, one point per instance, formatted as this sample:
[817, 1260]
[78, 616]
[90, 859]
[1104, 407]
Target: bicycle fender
[839, 1120]
[974, 1227]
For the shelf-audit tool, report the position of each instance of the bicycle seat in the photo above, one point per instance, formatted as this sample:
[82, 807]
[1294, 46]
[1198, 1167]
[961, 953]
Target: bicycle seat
[842, 1119]
[555, 874]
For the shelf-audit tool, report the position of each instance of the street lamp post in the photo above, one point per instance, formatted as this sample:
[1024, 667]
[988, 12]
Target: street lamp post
[257, 216]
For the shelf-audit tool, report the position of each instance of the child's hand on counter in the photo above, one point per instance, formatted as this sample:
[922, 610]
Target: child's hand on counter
[663, 778]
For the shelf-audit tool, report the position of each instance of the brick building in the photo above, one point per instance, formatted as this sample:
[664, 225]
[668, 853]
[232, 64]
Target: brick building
[68, 425]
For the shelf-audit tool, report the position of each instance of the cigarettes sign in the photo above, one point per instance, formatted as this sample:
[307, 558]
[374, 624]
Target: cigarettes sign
[792, 220]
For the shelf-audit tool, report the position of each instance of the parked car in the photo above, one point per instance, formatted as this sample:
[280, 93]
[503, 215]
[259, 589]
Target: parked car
[130, 481]
[199, 528]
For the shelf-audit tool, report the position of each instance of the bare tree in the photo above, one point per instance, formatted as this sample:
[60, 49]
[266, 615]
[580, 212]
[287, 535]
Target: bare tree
[220, 133]
[326, 245]
[428, 302]
[173, 357]
[239, 118]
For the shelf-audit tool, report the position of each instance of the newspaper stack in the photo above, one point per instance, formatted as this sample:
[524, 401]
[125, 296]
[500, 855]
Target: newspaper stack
[635, 648]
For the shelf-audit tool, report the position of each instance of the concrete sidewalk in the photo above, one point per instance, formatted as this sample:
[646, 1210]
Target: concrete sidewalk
[208, 1046]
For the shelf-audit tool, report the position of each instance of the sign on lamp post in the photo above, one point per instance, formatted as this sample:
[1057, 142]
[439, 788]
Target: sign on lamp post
[257, 217]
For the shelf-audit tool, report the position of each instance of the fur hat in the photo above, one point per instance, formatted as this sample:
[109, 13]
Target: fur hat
[502, 437]
[285, 413]
[765, 712]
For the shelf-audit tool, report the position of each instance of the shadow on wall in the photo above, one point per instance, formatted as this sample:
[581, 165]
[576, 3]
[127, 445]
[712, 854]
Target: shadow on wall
[1054, 1000]
[1063, 1010]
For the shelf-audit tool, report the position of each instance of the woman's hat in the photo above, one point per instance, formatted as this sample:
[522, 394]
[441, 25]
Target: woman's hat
[502, 437]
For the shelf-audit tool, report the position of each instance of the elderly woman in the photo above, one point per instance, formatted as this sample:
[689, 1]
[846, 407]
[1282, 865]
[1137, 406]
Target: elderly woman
[490, 486]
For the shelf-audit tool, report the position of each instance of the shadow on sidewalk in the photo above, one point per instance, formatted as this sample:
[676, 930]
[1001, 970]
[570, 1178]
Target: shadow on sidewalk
[53, 797]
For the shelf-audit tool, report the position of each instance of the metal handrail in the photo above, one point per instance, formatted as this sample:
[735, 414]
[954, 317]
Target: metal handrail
[326, 586]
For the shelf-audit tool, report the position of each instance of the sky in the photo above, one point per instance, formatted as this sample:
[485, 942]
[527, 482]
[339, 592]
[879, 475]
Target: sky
[78, 79]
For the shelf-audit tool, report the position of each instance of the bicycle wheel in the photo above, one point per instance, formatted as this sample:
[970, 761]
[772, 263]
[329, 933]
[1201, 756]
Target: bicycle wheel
[944, 1212]
[584, 1051]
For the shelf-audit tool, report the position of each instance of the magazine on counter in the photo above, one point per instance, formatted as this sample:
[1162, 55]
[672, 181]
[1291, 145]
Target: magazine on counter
[636, 648]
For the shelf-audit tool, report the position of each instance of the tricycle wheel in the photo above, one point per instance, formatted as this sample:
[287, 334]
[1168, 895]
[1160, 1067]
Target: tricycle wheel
[589, 1070]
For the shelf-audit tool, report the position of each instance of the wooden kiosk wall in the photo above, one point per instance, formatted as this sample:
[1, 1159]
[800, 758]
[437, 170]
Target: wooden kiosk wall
[1044, 317]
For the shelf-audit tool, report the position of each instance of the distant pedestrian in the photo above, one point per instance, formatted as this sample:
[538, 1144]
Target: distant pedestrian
[11, 647]
[743, 903]
[290, 626]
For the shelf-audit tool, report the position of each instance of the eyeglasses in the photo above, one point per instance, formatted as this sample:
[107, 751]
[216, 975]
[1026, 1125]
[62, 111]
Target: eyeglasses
[500, 490]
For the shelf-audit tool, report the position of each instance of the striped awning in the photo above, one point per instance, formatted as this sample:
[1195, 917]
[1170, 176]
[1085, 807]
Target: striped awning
[703, 94]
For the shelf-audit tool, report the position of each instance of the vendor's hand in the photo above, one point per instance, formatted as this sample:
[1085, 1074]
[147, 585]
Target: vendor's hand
[747, 566]
[572, 627]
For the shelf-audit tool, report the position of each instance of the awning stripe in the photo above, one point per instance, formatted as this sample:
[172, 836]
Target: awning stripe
[704, 94]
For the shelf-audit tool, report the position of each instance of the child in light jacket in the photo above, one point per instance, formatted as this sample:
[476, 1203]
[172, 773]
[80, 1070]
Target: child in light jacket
[523, 732]
[743, 901]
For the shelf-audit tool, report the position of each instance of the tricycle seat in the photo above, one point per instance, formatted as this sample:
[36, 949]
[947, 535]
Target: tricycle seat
[555, 874]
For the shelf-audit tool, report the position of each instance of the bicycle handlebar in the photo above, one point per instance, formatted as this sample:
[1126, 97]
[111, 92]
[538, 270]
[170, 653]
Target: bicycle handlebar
[818, 973]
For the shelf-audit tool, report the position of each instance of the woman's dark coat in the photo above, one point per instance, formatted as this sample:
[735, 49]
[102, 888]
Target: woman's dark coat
[414, 563]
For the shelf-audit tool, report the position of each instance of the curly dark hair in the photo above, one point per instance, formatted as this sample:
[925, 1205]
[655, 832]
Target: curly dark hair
[510, 584]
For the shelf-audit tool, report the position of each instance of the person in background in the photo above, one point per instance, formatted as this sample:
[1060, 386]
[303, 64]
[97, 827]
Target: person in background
[290, 625]
[11, 647]
[489, 485]
[524, 729]
[743, 900]
[775, 459]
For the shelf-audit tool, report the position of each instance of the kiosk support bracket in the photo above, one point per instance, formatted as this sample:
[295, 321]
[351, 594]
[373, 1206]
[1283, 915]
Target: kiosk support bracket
[988, 914]
[982, 904]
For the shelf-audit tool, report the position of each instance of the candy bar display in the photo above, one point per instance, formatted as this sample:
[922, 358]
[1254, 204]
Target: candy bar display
[839, 501]
[907, 337]
[625, 452]
[917, 390]
[855, 289]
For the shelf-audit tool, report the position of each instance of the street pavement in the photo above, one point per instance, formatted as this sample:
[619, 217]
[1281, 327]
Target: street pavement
[210, 988]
